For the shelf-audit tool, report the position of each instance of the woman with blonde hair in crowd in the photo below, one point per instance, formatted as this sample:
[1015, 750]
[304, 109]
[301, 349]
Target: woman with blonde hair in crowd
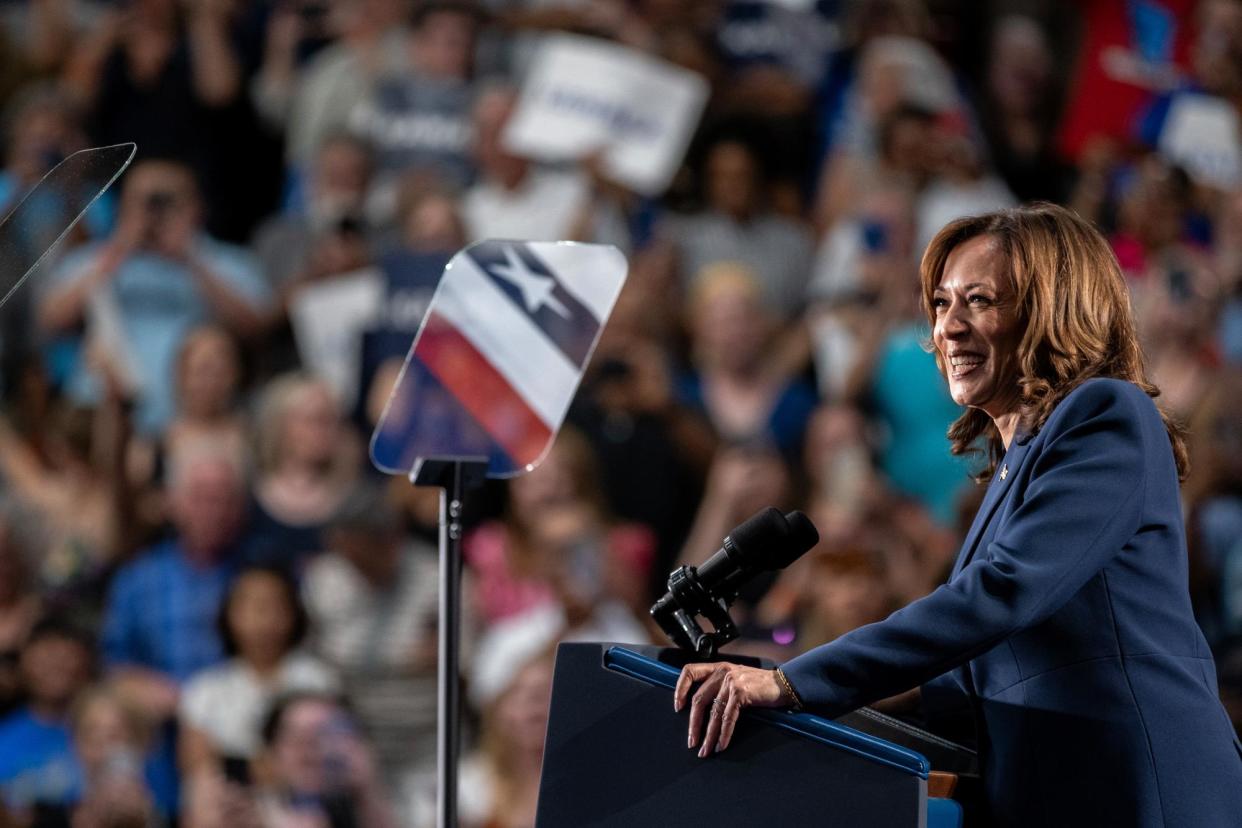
[733, 383]
[308, 460]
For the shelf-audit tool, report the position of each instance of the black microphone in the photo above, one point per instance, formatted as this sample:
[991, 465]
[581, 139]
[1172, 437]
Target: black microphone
[767, 541]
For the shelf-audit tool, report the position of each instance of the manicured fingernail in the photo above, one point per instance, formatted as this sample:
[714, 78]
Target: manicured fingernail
[676, 705]
[720, 746]
[703, 752]
[690, 741]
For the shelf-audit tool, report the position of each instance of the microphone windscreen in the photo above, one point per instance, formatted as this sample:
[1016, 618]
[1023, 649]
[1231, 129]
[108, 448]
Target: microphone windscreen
[755, 538]
[802, 536]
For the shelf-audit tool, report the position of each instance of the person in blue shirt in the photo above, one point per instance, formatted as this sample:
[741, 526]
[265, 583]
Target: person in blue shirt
[1065, 629]
[139, 292]
[160, 622]
[37, 764]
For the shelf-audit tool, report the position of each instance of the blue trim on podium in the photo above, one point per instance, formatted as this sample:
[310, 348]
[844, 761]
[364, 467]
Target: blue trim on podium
[838, 736]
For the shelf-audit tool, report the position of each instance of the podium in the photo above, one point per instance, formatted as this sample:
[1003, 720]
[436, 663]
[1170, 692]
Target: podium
[615, 755]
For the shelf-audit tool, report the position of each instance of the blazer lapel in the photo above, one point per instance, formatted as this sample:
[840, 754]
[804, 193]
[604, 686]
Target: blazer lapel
[1004, 476]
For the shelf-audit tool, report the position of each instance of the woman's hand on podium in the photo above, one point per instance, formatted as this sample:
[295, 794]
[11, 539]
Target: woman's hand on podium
[724, 690]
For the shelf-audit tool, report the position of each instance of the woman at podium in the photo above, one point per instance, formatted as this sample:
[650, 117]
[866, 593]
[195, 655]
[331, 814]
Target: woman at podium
[1066, 625]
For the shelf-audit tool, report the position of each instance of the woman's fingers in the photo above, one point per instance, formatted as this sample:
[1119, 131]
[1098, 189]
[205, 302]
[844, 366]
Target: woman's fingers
[732, 709]
[700, 705]
[715, 716]
[724, 691]
[689, 675]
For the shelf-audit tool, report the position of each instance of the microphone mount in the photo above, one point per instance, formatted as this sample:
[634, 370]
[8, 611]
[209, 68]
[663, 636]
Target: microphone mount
[689, 599]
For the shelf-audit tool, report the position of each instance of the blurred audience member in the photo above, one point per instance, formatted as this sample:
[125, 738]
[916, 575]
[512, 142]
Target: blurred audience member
[208, 384]
[1175, 288]
[653, 450]
[514, 198]
[167, 76]
[20, 601]
[307, 462]
[297, 244]
[734, 384]
[1213, 495]
[557, 547]
[119, 785]
[865, 264]
[420, 119]
[262, 625]
[161, 617]
[36, 752]
[1019, 112]
[70, 475]
[311, 97]
[897, 77]
[842, 480]
[318, 768]
[156, 278]
[744, 478]
[842, 590]
[373, 599]
[961, 184]
[737, 224]
[512, 688]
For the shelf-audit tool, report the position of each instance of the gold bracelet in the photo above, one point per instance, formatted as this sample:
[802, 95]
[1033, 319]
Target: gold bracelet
[784, 680]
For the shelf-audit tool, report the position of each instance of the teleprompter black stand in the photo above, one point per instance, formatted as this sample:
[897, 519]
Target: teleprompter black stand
[454, 477]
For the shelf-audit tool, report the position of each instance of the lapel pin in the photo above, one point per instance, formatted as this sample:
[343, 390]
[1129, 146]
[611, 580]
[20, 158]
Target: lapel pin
[1004, 472]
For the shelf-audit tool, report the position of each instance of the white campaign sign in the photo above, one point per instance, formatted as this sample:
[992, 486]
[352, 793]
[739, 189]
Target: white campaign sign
[328, 320]
[585, 95]
[1201, 134]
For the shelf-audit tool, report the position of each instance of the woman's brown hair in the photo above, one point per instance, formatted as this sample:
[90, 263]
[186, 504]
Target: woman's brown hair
[1074, 306]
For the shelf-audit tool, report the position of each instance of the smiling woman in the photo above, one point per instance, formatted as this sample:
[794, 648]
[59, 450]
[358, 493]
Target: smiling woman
[1065, 626]
[977, 329]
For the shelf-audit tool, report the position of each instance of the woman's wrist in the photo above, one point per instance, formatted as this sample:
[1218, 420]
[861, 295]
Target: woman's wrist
[788, 694]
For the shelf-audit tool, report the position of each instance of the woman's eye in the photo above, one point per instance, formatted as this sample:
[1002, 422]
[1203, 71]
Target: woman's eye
[978, 299]
[940, 302]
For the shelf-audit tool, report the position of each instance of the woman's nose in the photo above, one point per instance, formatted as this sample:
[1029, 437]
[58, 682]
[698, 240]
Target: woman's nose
[953, 321]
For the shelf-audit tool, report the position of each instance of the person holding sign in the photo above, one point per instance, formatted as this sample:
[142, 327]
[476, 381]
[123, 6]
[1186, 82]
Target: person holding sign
[1066, 624]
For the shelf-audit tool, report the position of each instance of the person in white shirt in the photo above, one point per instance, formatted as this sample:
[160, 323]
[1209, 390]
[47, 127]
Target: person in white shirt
[222, 709]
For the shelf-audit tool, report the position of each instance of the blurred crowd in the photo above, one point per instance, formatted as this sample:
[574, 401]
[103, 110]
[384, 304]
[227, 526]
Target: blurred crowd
[214, 611]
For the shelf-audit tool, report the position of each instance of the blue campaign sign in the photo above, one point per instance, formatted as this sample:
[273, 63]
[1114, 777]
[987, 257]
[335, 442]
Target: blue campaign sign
[499, 355]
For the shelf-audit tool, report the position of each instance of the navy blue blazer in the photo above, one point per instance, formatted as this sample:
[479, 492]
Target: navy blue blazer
[1066, 625]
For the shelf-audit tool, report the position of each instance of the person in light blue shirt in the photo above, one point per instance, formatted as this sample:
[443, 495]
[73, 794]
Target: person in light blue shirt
[136, 294]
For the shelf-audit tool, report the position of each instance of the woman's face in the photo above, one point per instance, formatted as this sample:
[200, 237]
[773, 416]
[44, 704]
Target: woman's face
[301, 751]
[523, 711]
[209, 375]
[976, 331]
[550, 484]
[729, 330]
[259, 616]
[312, 426]
[101, 732]
[732, 179]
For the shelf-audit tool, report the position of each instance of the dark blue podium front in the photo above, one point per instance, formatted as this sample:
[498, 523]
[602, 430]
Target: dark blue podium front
[616, 755]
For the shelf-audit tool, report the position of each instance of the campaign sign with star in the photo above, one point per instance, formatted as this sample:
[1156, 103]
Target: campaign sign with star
[499, 355]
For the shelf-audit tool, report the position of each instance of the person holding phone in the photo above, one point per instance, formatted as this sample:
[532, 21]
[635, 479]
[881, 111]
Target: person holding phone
[138, 293]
